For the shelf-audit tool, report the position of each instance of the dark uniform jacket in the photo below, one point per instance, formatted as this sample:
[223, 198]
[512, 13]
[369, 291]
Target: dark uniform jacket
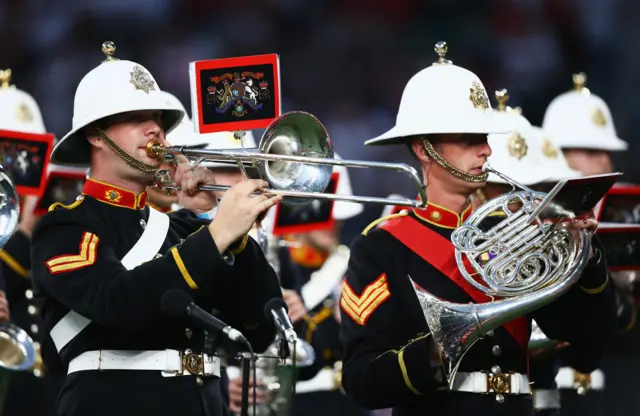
[321, 331]
[76, 253]
[19, 388]
[386, 360]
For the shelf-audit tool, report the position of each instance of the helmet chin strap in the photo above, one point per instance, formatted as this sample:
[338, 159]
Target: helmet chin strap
[130, 160]
[467, 177]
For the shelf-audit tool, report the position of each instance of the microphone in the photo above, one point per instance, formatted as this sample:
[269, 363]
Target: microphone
[179, 304]
[276, 310]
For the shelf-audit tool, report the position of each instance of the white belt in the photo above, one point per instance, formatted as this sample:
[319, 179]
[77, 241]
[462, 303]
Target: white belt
[546, 399]
[568, 378]
[169, 362]
[478, 382]
[323, 381]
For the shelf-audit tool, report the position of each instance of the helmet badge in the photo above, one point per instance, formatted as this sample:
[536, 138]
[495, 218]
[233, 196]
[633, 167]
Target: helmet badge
[478, 96]
[598, 118]
[142, 80]
[548, 149]
[517, 146]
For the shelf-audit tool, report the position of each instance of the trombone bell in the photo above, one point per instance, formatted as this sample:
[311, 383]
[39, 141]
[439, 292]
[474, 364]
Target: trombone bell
[295, 156]
[298, 134]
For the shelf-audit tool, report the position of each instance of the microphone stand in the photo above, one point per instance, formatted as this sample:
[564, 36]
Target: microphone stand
[284, 352]
[246, 359]
[283, 348]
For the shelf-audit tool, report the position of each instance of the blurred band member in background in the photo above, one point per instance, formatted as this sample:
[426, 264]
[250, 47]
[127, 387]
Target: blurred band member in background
[30, 392]
[581, 124]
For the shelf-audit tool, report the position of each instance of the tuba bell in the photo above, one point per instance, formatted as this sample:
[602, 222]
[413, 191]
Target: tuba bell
[18, 352]
[523, 260]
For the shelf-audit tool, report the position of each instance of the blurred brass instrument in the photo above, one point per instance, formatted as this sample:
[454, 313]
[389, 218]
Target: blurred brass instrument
[531, 264]
[295, 155]
[278, 375]
[18, 352]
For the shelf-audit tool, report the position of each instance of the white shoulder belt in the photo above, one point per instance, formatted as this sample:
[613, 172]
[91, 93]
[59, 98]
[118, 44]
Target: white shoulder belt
[145, 249]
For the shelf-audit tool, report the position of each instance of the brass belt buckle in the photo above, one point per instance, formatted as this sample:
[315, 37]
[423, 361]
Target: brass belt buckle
[581, 382]
[498, 383]
[193, 363]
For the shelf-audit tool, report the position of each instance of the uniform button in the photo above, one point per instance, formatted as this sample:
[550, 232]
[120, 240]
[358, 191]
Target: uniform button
[499, 398]
[496, 350]
[32, 310]
[143, 223]
[28, 294]
[490, 333]
[199, 381]
[496, 369]
[34, 328]
[188, 332]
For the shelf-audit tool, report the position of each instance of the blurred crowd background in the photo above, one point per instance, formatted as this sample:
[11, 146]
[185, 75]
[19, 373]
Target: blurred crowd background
[346, 61]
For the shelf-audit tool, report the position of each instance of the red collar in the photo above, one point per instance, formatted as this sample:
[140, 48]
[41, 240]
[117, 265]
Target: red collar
[442, 217]
[114, 195]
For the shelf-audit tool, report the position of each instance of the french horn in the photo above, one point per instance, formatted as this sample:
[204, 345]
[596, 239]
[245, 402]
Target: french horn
[531, 263]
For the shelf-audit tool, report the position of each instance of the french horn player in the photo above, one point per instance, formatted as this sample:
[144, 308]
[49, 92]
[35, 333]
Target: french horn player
[392, 356]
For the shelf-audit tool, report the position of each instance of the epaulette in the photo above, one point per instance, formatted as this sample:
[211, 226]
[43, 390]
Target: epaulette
[380, 220]
[73, 205]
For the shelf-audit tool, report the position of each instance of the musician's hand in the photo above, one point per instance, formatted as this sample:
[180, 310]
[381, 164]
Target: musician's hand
[28, 218]
[587, 223]
[235, 394]
[294, 302]
[188, 177]
[4, 308]
[238, 210]
[336, 306]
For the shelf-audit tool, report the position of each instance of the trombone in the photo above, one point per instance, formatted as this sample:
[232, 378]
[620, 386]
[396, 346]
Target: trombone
[295, 156]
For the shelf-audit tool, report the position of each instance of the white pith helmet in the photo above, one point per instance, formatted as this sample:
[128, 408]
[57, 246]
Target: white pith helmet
[343, 210]
[579, 119]
[227, 140]
[553, 158]
[442, 98]
[19, 111]
[113, 87]
[517, 154]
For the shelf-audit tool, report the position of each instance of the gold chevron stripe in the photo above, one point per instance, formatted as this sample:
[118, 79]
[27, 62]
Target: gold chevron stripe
[87, 256]
[360, 308]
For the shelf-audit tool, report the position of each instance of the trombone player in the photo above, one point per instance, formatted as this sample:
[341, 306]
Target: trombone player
[102, 265]
[444, 118]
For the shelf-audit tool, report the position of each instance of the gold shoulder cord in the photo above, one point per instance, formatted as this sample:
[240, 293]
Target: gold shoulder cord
[402, 213]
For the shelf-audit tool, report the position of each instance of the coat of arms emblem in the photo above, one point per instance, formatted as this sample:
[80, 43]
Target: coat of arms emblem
[237, 92]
